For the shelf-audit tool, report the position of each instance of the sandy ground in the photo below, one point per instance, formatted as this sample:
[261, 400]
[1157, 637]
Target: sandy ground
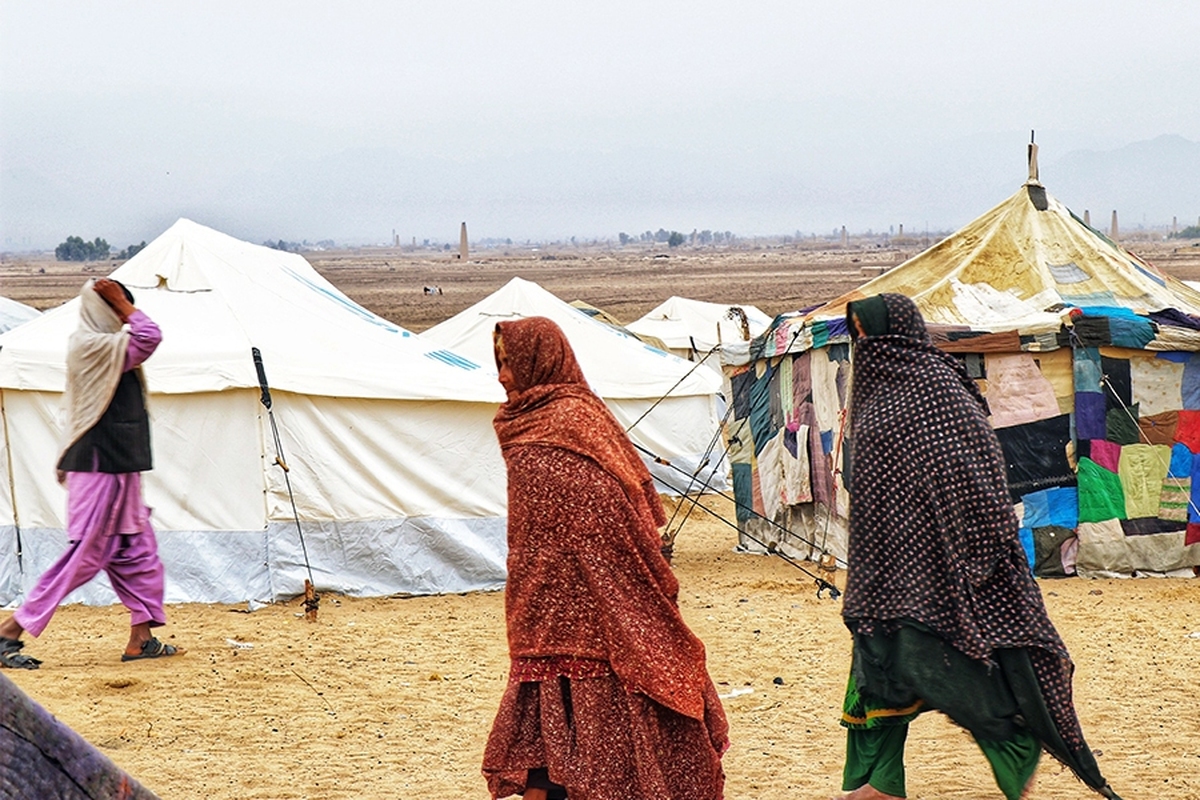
[386, 698]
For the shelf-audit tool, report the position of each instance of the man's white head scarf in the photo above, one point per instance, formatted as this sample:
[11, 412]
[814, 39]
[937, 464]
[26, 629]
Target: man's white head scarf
[95, 360]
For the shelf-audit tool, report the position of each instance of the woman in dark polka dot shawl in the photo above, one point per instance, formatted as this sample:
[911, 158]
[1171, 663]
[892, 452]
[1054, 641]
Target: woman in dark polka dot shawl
[939, 596]
[608, 696]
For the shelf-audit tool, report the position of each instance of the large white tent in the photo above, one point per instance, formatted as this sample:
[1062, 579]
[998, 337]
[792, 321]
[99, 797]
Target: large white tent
[696, 330]
[668, 406]
[394, 466]
[13, 314]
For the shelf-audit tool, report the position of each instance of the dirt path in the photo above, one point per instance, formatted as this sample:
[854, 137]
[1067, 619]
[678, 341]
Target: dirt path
[387, 698]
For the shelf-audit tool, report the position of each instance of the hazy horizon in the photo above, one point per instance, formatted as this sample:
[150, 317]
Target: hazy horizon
[537, 121]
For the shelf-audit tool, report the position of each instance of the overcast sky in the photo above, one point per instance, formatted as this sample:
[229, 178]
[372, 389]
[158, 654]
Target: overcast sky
[307, 120]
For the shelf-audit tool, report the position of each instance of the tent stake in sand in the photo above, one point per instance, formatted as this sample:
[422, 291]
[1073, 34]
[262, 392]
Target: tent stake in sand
[312, 600]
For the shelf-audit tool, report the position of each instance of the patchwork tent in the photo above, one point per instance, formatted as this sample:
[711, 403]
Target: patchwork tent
[1089, 358]
[13, 314]
[393, 462]
[694, 329]
[668, 406]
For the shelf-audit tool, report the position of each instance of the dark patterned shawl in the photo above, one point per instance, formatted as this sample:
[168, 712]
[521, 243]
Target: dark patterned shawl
[933, 534]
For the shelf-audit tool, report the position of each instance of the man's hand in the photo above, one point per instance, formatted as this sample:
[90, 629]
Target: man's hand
[115, 297]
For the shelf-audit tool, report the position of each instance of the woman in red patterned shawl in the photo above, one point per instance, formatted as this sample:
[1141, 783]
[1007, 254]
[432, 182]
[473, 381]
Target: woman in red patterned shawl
[939, 596]
[608, 696]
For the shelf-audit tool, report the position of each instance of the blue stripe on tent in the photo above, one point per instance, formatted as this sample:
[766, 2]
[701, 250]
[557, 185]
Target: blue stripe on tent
[453, 359]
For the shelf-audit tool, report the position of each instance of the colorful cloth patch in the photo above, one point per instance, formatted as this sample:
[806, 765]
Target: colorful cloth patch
[1181, 462]
[1191, 383]
[1017, 391]
[1101, 496]
[1036, 455]
[1088, 374]
[1157, 384]
[1121, 425]
[1089, 415]
[1106, 454]
[1173, 502]
[1058, 506]
[1188, 431]
[1142, 470]
[1159, 428]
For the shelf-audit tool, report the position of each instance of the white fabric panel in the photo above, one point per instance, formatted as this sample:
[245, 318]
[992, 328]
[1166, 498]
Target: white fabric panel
[679, 429]
[208, 462]
[372, 459]
[33, 443]
[616, 366]
[682, 323]
[420, 555]
[1157, 385]
[1017, 391]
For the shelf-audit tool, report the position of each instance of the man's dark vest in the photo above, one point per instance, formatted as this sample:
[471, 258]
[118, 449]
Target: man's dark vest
[120, 440]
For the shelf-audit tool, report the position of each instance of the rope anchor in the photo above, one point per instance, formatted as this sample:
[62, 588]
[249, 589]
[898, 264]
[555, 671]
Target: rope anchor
[312, 600]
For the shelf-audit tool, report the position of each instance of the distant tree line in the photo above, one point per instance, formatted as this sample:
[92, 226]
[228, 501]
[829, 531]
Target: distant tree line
[675, 238]
[76, 249]
[290, 247]
[1190, 232]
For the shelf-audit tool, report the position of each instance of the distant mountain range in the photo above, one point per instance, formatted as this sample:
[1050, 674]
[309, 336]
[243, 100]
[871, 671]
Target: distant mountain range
[1147, 182]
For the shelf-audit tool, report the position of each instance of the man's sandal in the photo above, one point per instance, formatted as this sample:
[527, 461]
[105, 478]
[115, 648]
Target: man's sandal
[152, 648]
[11, 656]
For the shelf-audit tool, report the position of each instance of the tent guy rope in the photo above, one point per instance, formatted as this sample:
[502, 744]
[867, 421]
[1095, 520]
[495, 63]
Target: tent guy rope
[312, 600]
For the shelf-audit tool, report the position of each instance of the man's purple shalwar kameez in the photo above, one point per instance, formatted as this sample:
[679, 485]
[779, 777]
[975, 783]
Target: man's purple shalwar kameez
[108, 526]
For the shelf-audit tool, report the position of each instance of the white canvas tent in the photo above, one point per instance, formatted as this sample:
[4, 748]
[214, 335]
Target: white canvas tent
[394, 464]
[673, 405]
[696, 330]
[13, 314]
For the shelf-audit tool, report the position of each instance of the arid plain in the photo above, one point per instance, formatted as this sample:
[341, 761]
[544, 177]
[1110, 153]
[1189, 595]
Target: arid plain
[392, 697]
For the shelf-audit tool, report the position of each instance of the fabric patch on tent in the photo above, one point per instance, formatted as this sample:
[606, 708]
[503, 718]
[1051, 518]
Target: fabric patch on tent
[1159, 428]
[1092, 331]
[1132, 332]
[801, 380]
[797, 482]
[778, 419]
[1175, 317]
[1058, 506]
[1188, 431]
[1048, 545]
[824, 390]
[821, 469]
[1103, 548]
[1100, 494]
[1106, 454]
[787, 397]
[740, 443]
[1121, 425]
[1088, 372]
[740, 386]
[1026, 536]
[1181, 462]
[1117, 382]
[826, 442]
[789, 440]
[1070, 552]
[1148, 526]
[1194, 504]
[1191, 383]
[1069, 272]
[743, 493]
[1157, 384]
[1193, 534]
[756, 493]
[1089, 416]
[1143, 469]
[770, 477]
[1173, 502]
[1017, 391]
[760, 412]
[1036, 455]
[1058, 368]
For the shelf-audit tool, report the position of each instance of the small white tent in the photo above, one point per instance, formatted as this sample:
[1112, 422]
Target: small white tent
[695, 330]
[668, 406]
[13, 314]
[394, 465]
